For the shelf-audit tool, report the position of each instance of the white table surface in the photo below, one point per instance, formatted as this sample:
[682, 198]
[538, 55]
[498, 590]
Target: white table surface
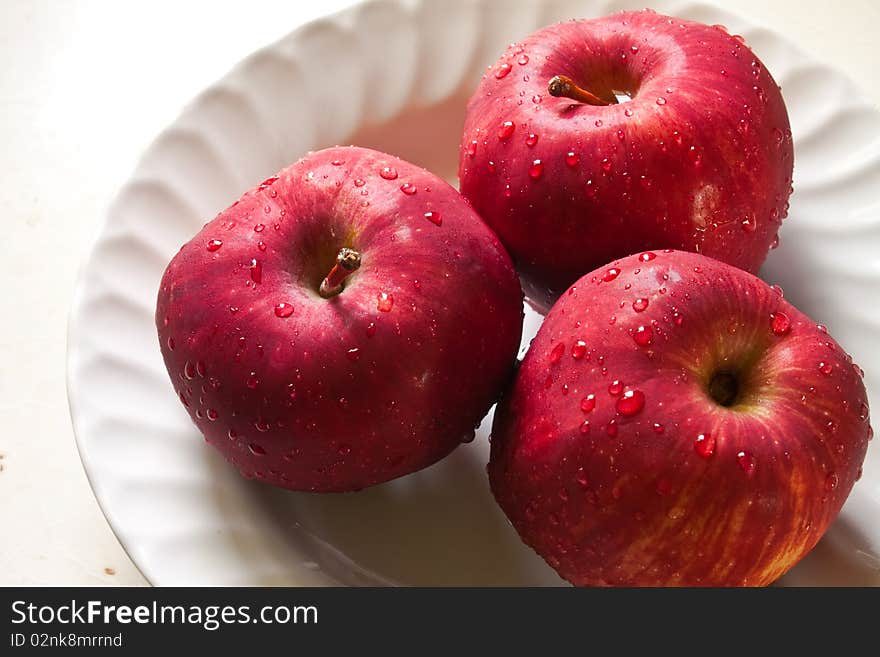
[84, 87]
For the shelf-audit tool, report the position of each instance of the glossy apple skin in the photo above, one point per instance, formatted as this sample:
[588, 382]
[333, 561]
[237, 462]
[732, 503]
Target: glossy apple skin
[377, 382]
[640, 499]
[700, 159]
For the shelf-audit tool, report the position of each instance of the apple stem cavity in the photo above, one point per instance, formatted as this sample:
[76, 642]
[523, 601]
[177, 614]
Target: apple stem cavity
[724, 388]
[347, 262]
[564, 86]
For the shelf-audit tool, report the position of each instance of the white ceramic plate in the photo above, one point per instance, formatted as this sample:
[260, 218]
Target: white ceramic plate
[407, 68]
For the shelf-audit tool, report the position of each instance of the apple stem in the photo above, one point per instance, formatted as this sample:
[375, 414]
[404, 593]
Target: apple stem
[347, 262]
[562, 85]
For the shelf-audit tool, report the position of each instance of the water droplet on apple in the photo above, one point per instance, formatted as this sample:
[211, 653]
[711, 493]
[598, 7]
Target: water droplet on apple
[605, 164]
[611, 428]
[578, 349]
[640, 304]
[532, 139]
[523, 60]
[598, 123]
[863, 415]
[572, 159]
[588, 403]
[591, 189]
[259, 228]
[337, 162]
[647, 256]
[581, 478]
[385, 302]
[353, 354]
[268, 182]
[643, 336]
[536, 169]
[631, 403]
[746, 462]
[472, 148]
[256, 271]
[212, 414]
[584, 429]
[213, 245]
[831, 481]
[283, 310]
[661, 101]
[658, 428]
[189, 370]
[408, 188]
[434, 217]
[506, 130]
[704, 445]
[256, 449]
[610, 274]
[252, 381]
[359, 182]
[826, 368]
[502, 71]
[615, 388]
[780, 324]
[388, 173]
[371, 329]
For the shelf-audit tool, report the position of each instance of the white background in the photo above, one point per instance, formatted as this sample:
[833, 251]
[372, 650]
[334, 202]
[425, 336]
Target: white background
[84, 87]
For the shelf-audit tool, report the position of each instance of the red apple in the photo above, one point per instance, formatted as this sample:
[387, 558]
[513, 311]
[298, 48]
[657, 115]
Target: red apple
[334, 383]
[699, 159]
[677, 422]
